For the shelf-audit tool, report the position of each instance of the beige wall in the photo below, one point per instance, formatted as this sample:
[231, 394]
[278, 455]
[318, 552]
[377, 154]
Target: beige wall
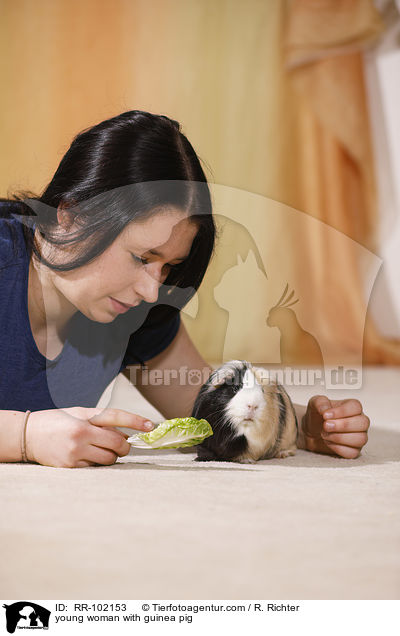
[213, 66]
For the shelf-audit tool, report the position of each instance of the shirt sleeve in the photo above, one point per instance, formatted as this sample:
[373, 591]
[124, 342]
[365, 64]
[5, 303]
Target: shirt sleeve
[148, 342]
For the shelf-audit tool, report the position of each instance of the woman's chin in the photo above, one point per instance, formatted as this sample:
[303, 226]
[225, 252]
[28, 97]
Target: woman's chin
[99, 316]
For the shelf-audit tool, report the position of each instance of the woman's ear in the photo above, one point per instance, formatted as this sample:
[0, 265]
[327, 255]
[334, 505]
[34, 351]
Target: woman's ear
[65, 217]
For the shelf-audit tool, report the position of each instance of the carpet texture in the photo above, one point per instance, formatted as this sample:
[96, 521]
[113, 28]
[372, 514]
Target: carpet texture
[157, 525]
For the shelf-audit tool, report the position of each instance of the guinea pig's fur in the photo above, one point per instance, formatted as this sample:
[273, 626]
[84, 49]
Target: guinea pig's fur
[252, 416]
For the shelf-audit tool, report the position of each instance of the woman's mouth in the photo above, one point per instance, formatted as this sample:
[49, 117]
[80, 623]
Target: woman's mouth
[121, 308]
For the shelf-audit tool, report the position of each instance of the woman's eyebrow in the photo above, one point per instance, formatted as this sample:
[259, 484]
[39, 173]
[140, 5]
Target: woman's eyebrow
[157, 253]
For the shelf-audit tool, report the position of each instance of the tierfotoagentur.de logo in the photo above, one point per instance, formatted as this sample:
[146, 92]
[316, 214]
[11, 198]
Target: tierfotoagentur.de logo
[26, 615]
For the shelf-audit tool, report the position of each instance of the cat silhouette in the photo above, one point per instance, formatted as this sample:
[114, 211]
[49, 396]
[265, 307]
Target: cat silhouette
[235, 293]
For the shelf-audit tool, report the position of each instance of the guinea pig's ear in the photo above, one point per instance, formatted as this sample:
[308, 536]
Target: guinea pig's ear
[220, 376]
[217, 380]
[262, 376]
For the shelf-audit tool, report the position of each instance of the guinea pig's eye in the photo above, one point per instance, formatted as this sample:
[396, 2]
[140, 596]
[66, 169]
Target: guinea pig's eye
[235, 388]
[229, 388]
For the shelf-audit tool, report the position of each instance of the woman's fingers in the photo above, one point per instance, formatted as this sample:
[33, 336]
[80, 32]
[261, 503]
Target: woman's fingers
[96, 437]
[108, 439]
[354, 424]
[320, 403]
[354, 440]
[118, 417]
[346, 436]
[347, 452]
[343, 408]
[116, 430]
[96, 455]
[105, 448]
[343, 426]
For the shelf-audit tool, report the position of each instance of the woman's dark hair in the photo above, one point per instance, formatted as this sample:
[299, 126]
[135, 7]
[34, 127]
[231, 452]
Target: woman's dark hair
[121, 170]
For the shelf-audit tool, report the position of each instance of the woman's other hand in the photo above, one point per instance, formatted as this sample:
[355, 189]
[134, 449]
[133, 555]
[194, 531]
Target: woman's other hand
[77, 437]
[335, 427]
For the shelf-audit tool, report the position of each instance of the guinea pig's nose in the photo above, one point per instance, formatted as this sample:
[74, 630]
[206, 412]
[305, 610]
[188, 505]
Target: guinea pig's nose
[252, 407]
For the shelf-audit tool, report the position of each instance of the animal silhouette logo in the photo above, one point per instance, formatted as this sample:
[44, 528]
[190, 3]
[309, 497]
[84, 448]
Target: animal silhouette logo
[26, 615]
[235, 293]
[296, 344]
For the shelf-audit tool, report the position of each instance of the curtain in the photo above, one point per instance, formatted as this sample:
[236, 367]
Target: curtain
[324, 43]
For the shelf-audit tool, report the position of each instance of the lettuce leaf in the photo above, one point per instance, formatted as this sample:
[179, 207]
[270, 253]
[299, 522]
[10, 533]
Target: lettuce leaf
[176, 433]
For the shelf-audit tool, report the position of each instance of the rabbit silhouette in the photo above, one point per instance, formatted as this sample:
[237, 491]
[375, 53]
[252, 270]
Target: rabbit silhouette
[297, 346]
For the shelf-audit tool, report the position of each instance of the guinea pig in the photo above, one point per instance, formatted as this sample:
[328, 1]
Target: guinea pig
[252, 416]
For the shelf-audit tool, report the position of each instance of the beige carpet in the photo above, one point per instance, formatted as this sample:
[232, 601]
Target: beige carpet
[160, 526]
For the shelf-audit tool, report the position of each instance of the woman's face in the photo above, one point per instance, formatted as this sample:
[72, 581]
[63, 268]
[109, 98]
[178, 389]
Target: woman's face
[131, 269]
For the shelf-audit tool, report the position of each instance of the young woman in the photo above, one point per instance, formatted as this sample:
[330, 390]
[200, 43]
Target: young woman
[93, 274]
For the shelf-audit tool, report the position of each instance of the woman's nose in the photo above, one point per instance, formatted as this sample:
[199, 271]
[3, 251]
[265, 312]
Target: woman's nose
[149, 283]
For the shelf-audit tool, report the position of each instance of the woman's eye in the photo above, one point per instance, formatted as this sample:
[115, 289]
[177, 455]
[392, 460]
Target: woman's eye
[139, 259]
[144, 261]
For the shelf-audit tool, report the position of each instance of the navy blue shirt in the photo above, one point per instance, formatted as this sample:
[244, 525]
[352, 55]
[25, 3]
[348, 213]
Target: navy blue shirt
[92, 355]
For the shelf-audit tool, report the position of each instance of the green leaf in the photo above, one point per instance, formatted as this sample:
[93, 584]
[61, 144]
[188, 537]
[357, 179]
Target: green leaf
[176, 433]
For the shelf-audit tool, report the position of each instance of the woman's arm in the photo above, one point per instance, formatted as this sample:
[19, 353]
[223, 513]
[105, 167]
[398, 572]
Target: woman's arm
[300, 411]
[171, 380]
[11, 428]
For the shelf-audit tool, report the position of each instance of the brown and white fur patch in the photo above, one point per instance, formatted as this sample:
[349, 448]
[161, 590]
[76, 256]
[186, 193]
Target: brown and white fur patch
[251, 415]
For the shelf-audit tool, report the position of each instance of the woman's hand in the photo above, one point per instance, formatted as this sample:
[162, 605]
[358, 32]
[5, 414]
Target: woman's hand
[77, 437]
[335, 427]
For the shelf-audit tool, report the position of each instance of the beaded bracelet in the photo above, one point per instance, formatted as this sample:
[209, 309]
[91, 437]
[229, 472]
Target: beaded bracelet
[23, 438]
